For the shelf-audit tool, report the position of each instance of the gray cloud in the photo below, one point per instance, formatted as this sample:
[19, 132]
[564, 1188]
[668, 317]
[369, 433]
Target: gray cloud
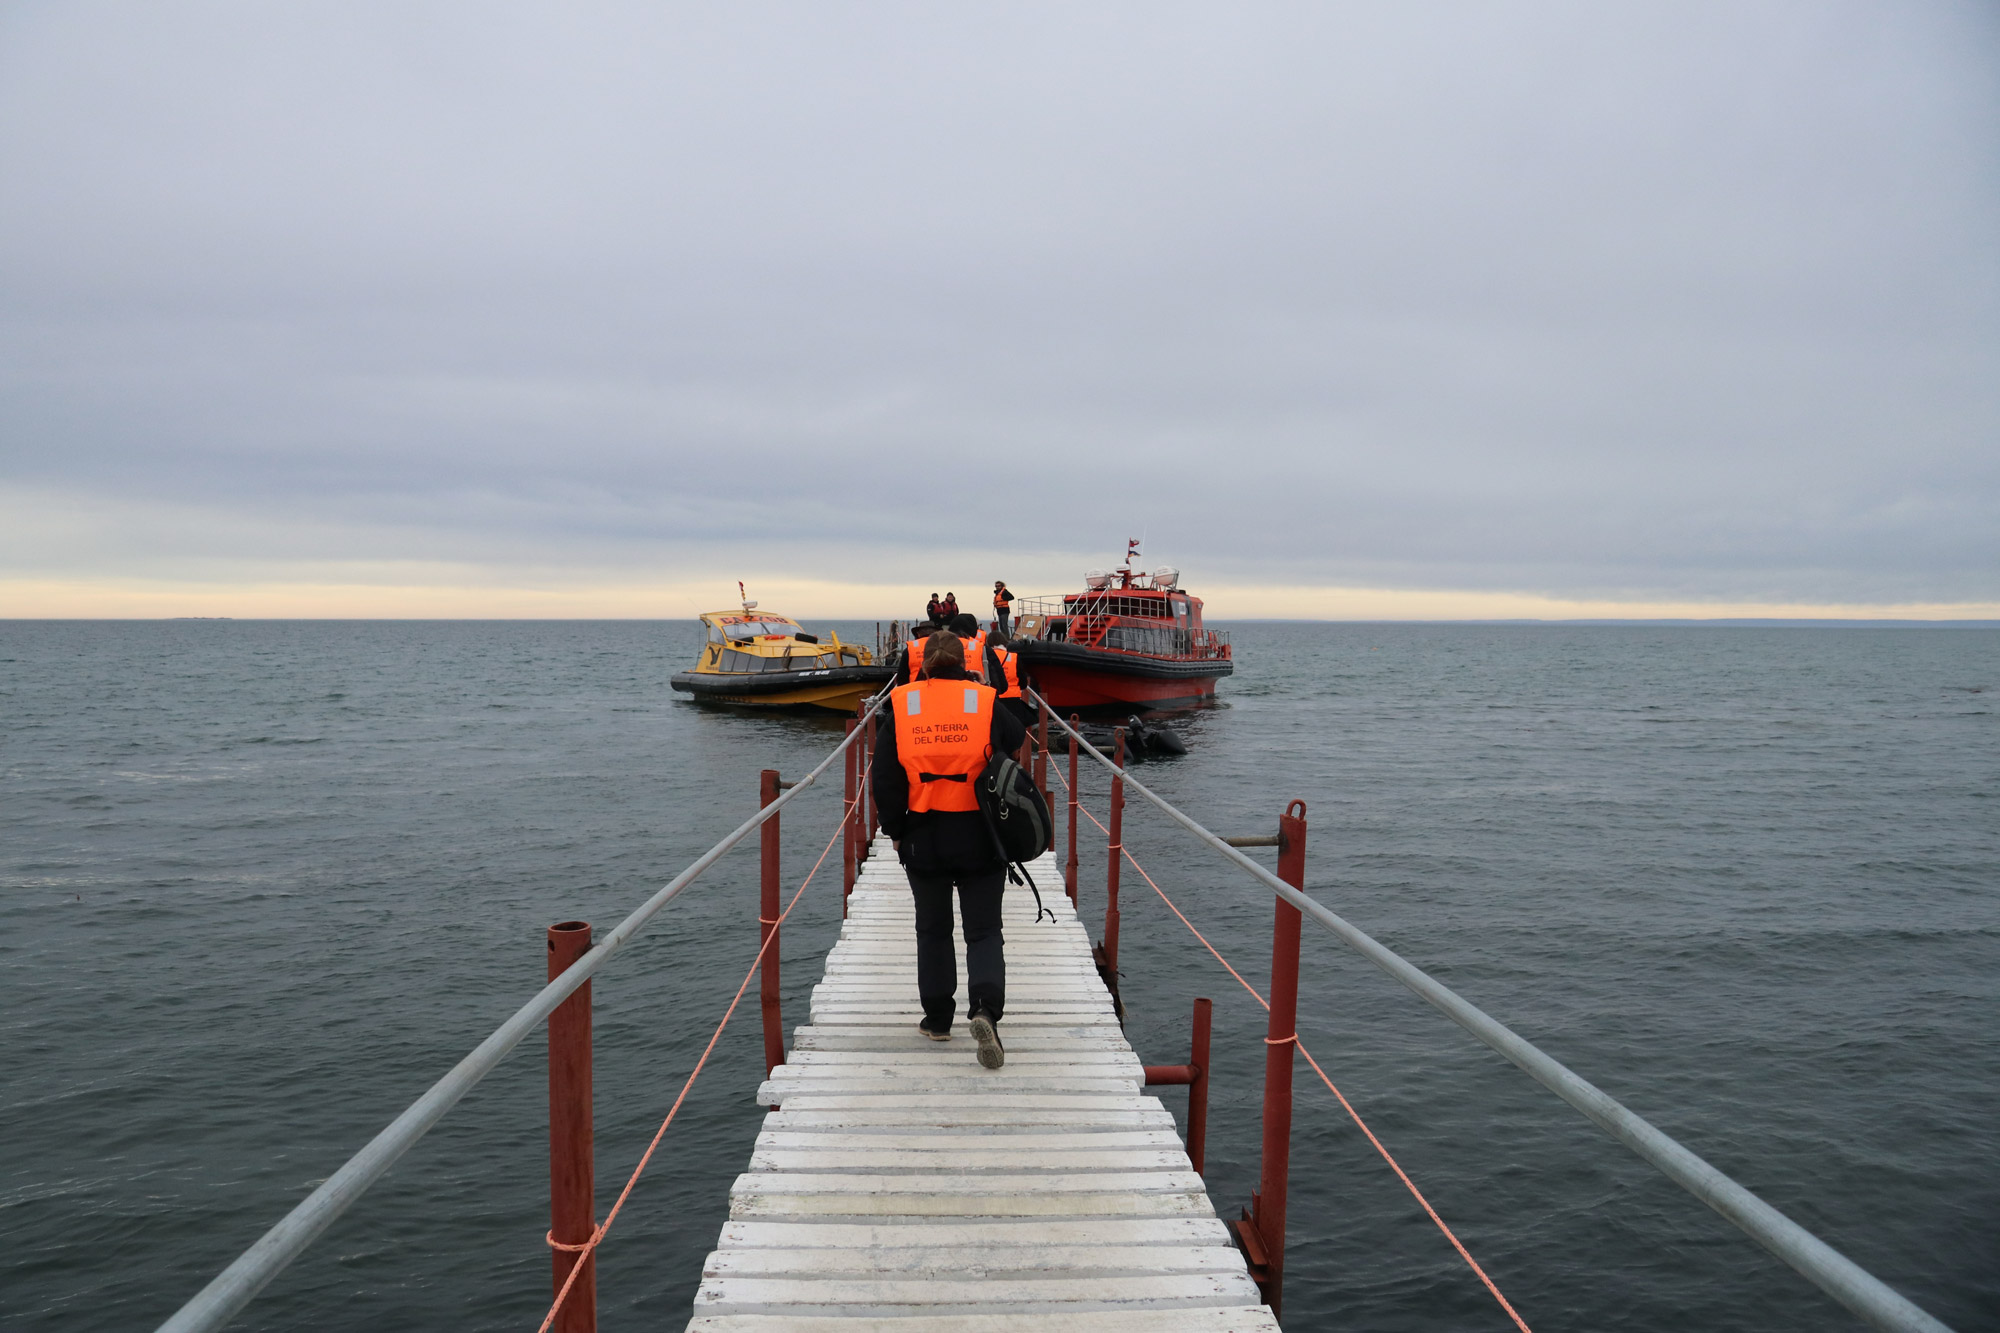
[1700, 301]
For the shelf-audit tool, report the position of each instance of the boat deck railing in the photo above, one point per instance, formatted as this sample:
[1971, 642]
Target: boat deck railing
[1871, 1299]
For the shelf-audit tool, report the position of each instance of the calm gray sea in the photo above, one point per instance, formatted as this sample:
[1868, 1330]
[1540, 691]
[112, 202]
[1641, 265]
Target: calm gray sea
[262, 882]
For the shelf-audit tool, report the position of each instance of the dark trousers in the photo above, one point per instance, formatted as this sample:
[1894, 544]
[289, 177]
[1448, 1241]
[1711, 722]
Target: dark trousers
[1000, 614]
[937, 962]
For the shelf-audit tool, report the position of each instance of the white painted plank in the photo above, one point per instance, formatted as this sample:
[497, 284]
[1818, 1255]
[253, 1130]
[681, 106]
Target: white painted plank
[886, 1295]
[1112, 1203]
[871, 1185]
[1010, 1119]
[1030, 1144]
[1244, 1319]
[898, 1160]
[1059, 1232]
[956, 1263]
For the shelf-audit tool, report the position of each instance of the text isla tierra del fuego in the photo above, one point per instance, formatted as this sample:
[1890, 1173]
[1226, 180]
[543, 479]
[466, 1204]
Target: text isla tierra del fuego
[934, 733]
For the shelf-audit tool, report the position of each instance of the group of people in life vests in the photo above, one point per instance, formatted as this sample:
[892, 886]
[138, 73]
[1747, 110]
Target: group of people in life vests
[941, 611]
[957, 702]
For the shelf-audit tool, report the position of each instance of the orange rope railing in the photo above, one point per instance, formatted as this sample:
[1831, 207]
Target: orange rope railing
[1355, 1115]
[585, 1250]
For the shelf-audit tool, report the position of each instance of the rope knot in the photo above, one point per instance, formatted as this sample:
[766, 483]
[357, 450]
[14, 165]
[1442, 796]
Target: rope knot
[596, 1235]
[1281, 1041]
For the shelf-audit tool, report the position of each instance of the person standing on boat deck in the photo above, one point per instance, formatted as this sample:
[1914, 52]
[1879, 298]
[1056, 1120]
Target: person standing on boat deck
[1002, 600]
[935, 610]
[949, 607]
[932, 743]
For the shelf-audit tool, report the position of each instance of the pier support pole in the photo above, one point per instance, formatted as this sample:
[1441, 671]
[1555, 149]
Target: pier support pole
[1115, 853]
[1262, 1230]
[1197, 1121]
[1194, 1076]
[767, 929]
[1069, 867]
[850, 822]
[572, 1179]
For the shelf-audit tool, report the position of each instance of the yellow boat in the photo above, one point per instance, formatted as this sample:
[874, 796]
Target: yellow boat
[763, 660]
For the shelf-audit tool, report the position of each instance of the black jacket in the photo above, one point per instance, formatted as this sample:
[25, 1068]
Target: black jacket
[936, 841]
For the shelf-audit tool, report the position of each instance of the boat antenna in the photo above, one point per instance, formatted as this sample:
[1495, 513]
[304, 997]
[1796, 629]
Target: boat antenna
[744, 598]
[1125, 570]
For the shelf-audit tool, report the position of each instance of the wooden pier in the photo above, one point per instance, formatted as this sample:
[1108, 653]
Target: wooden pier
[896, 1185]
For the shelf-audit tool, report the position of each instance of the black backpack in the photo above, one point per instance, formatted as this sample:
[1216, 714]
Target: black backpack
[1017, 817]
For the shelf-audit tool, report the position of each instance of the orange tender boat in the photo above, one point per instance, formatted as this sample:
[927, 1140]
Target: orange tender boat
[1130, 638]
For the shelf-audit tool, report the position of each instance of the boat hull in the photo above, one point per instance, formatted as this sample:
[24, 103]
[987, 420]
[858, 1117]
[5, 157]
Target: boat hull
[1072, 676]
[839, 689]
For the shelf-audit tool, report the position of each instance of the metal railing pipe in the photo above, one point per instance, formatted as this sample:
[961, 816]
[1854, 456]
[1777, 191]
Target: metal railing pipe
[1819, 1263]
[234, 1287]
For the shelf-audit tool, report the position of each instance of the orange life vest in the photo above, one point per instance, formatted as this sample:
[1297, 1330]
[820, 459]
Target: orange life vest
[1010, 666]
[974, 663]
[999, 602]
[944, 735]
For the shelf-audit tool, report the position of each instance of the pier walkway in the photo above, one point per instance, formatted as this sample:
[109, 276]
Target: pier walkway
[898, 1186]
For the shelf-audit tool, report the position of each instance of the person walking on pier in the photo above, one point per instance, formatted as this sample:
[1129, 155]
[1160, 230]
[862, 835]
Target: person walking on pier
[932, 743]
[1003, 673]
[1002, 604]
[979, 663]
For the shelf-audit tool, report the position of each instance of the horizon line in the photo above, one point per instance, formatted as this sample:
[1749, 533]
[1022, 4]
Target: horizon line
[1746, 622]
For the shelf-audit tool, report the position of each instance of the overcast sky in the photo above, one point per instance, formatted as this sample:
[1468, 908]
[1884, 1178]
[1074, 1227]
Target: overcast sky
[407, 308]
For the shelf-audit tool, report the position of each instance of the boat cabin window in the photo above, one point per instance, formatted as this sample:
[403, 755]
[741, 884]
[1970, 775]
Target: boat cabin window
[756, 628]
[714, 634]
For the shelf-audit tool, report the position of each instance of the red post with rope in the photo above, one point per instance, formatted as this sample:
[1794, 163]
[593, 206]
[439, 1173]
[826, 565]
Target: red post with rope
[767, 929]
[572, 1177]
[1069, 869]
[850, 822]
[1194, 1074]
[1115, 855]
[1262, 1230]
[1042, 759]
[863, 753]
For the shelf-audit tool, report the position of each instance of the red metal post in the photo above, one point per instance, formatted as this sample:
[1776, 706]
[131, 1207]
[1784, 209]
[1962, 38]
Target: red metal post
[572, 1180]
[1262, 1230]
[1069, 870]
[850, 822]
[1115, 852]
[1042, 759]
[767, 930]
[1197, 1121]
[1194, 1076]
[864, 834]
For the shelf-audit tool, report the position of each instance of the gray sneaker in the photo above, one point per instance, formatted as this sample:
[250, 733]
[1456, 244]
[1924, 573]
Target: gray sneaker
[991, 1053]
